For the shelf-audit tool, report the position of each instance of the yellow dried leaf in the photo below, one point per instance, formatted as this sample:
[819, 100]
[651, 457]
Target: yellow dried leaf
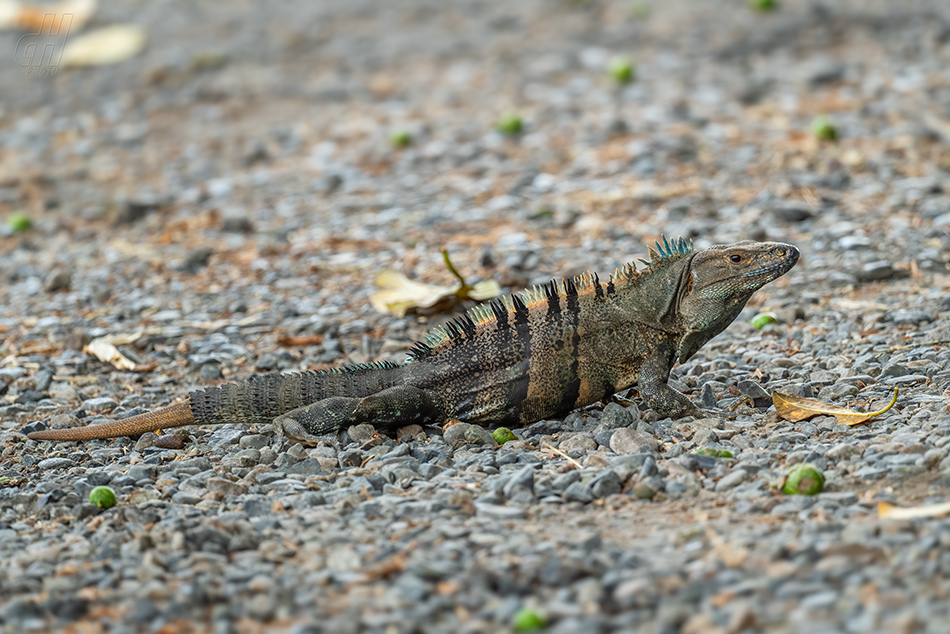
[889, 511]
[797, 408]
[400, 295]
[486, 289]
[104, 349]
[108, 45]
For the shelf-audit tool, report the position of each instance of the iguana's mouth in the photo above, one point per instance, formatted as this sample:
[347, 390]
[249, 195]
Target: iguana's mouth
[777, 268]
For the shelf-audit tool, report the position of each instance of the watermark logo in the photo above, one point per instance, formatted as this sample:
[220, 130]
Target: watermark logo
[40, 53]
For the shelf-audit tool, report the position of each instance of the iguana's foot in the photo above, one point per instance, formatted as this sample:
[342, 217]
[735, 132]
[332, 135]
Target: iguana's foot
[294, 430]
[323, 417]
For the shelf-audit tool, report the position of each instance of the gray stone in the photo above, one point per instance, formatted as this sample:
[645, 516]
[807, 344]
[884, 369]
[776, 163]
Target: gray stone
[616, 416]
[55, 463]
[760, 398]
[579, 441]
[456, 433]
[874, 271]
[606, 483]
[225, 486]
[578, 492]
[498, 512]
[732, 480]
[143, 471]
[520, 487]
[307, 466]
[361, 433]
[99, 405]
[478, 435]
[628, 441]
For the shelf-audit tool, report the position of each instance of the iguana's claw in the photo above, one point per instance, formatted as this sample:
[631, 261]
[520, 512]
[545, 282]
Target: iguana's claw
[294, 430]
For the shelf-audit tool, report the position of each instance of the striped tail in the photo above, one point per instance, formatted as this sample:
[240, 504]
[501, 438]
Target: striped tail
[177, 415]
[259, 399]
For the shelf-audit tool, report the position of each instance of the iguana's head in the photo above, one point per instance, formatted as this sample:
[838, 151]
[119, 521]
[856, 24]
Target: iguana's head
[720, 281]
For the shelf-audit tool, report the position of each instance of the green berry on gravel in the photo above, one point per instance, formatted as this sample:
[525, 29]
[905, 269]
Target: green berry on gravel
[528, 620]
[823, 129]
[20, 222]
[764, 5]
[622, 70]
[715, 453]
[503, 435]
[762, 320]
[103, 497]
[510, 124]
[803, 479]
[400, 138]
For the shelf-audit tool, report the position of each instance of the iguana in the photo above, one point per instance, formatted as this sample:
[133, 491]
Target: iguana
[519, 359]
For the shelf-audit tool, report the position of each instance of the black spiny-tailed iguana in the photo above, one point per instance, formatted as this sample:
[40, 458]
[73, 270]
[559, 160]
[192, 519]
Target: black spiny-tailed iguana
[517, 360]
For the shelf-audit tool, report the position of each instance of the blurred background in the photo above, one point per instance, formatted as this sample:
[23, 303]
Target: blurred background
[533, 138]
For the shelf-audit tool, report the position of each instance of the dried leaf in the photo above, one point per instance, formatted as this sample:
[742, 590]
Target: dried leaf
[104, 349]
[480, 291]
[889, 511]
[399, 295]
[108, 45]
[47, 19]
[300, 340]
[797, 408]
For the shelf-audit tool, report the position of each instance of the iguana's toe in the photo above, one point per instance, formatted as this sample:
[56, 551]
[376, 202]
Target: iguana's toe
[294, 430]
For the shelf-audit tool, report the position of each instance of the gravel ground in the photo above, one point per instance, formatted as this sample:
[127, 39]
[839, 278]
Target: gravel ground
[234, 188]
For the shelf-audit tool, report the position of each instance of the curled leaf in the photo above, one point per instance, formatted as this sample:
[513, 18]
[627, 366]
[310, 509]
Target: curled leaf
[797, 408]
[299, 340]
[889, 511]
[399, 295]
[46, 19]
[105, 349]
[108, 45]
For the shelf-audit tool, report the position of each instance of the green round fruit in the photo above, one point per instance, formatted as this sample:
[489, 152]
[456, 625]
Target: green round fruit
[510, 124]
[762, 320]
[503, 435]
[20, 222]
[103, 497]
[764, 5]
[822, 128]
[528, 620]
[804, 479]
[400, 138]
[622, 70]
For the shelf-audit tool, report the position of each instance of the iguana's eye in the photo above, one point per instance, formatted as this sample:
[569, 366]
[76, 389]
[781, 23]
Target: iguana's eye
[735, 258]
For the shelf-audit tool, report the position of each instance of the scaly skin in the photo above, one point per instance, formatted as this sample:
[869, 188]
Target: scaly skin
[520, 359]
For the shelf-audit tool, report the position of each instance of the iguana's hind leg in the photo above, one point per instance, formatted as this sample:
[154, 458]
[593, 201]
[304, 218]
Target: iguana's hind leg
[399, 405]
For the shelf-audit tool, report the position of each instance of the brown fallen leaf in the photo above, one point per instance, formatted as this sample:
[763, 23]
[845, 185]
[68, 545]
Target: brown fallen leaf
[797, 408]
[889, 511]
[399, 295]
[301, 340]
[47, 19]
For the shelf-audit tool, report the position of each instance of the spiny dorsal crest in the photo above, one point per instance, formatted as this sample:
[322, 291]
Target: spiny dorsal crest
[664, 255]
[504, 310]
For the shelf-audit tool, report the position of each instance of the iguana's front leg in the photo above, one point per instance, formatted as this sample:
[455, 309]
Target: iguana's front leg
[400, 405]
[654, 390]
